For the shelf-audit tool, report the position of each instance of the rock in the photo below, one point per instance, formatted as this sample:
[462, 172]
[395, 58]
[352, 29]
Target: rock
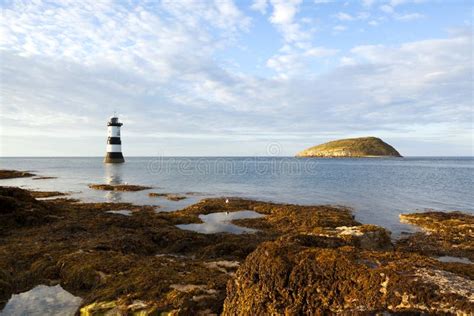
[175, 197]
[18, 208]
[46, 194]
[118, 187]
[352, 147]
[10, 174]
[156, 194]
[169, 196]
[119, 307]
[288, 278]
[44, 178]
[223, 266]
[445, 234]
[366, 236]
[6, 287]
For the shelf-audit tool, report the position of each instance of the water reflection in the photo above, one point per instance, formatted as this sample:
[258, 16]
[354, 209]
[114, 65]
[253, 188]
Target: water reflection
[221, 223]
[42, 300]
[113, 175]
[454, 259]
[121, 212]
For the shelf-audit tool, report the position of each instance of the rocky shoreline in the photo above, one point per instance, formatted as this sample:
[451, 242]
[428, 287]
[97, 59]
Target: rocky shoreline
[301, 260]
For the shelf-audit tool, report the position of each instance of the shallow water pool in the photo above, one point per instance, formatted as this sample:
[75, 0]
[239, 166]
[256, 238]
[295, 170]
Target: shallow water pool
[42, 300]
[221, 223]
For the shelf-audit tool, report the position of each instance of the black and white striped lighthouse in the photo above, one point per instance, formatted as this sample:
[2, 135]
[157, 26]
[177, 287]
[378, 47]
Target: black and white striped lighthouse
[114, 144]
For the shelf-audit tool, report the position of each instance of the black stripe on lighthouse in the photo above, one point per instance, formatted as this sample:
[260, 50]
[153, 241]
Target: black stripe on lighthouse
[114, 141]
[114, 155]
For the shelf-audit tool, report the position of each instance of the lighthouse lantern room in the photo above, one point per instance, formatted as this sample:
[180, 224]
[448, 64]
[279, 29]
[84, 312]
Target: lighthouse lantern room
[114, 144]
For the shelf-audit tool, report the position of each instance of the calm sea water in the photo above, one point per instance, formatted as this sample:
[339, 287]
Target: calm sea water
[377, 189]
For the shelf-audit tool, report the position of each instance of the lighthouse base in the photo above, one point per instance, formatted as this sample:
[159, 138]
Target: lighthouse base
[114, 158]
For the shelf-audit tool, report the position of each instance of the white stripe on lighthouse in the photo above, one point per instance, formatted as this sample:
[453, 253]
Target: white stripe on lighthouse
[113, 131]
[114, 148]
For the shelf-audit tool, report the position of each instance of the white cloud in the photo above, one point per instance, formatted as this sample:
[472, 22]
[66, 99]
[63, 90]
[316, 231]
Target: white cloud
[409, 16]
[387, 9]
[283, 18]
[284, 11]
[260, 5]
[363, 15]
[368, 3]
[320, 52]
[347, 61]
[293, 57]
[342, 16]
[339, 28]
[395, 3]
[323, 1]
[373, 23]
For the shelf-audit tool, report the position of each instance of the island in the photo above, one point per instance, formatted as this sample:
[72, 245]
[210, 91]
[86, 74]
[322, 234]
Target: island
[351, 147]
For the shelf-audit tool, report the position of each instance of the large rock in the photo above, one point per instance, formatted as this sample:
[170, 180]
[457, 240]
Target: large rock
[444, 234]
[10, 174]
[352, 147]
[302, 277]
[18, 208]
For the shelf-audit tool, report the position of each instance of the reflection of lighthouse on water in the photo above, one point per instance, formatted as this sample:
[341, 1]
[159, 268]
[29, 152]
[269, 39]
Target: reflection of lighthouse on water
[113, 176]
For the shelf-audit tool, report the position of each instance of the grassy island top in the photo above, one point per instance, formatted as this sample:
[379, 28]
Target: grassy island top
[352, 147]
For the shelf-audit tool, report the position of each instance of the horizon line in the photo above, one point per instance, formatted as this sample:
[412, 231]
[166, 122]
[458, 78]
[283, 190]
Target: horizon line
[240, 156]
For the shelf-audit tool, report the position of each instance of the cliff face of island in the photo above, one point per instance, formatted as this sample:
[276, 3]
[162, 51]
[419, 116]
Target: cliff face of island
[352, 147]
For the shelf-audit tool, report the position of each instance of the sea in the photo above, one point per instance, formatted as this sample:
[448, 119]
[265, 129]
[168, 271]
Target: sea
[378, 190]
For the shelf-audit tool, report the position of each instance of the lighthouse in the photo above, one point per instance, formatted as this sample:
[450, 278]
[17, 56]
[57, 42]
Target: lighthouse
[114, 144]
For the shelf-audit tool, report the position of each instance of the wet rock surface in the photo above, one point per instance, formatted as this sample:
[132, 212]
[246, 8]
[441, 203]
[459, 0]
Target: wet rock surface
[313, 275]
[118, 187]
[168, 196]
[44, 178]
[444, 234]
[20, 209]
[10, 174]
[144, 263]
[46, 194]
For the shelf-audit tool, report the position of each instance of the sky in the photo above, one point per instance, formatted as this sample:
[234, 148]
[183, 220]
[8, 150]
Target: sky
[235, 78]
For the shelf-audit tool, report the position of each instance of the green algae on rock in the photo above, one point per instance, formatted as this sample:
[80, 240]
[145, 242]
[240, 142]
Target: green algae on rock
[351, 147]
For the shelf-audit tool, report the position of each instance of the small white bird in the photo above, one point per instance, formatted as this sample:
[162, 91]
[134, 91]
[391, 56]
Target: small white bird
[226, 201]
